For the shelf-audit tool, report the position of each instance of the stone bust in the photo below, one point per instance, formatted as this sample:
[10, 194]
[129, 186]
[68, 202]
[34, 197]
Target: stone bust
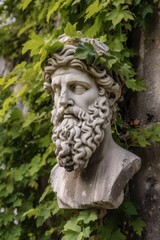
[92, 170]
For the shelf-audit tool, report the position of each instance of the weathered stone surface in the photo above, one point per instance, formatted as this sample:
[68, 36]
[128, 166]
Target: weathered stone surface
[92, 169]
[146, 107]
[146, 190]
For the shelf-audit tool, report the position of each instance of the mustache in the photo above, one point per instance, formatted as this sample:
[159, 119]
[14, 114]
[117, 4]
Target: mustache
[58, 115]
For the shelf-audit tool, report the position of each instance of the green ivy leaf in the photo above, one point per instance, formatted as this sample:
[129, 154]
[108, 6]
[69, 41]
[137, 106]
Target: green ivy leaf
[129, 208]
[95, 28]
[117, 235]
[147, 9]
[137, 2]
[93, 9]
[138, 226]
[24, 4]
[70, 30]
[86, 232]
[34, 45]
[72, 230]
[72, 235]
[54, 6]
[127, 15]
[80, 236]
[71, 225]
[155, 132]
[53, 46]
[111, 62]
[2, 81]
[9, 82]
[116, 3]
[118, 14]
[126, 70]
[35, 165]
[31, 117]
[136, 84]
[30, 213]
[116, 45]
[46, 191]
[141, 136]
[115, 16]
[50, 231]
[142, 141]
[87, 216]
[17, 203]
[85, 52]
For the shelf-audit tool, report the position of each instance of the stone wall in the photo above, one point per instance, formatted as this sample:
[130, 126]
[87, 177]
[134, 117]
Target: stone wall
[145, 106]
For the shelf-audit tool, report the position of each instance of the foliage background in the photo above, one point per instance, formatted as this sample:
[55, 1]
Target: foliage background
[28, 34]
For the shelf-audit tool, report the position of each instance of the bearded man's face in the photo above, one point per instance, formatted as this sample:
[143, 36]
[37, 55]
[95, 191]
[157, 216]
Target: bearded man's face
[80, 115]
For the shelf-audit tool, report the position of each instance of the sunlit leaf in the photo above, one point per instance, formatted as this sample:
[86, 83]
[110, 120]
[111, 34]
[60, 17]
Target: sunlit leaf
[70, 30]
[24, 4]
[87, 216]
[95, 28]
[94, 8]
[136, 84]
[54, 6]
[34, 45]
[71, 225]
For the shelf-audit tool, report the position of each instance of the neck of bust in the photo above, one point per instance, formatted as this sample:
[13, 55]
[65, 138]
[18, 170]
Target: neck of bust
[103, 152]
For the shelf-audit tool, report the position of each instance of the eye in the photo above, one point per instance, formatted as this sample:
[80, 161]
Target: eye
[57, 89]
[78, 88]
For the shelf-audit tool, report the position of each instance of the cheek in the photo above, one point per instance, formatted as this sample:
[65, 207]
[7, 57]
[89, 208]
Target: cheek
[88, 98]
[91, 96]
[56, 100]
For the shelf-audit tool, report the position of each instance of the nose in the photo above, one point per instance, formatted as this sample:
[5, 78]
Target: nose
[65, 99]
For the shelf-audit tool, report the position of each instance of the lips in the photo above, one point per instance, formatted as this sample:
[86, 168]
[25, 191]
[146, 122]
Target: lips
[68, 113]
[63, 113]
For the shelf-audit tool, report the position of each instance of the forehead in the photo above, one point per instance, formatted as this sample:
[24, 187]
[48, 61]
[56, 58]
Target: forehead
[71, 74]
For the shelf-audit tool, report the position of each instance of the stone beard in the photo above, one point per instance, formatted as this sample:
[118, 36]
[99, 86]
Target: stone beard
[78, 133]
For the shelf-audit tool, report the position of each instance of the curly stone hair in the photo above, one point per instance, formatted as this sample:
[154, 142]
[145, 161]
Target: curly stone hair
[65, 58]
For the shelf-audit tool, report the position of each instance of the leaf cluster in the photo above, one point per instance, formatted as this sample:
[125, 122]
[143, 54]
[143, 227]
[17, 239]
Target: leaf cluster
[144, 136]
[120, 224]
